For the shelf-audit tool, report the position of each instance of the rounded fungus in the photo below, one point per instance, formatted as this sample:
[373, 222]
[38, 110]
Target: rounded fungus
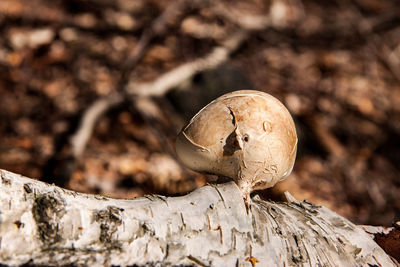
[245, 135]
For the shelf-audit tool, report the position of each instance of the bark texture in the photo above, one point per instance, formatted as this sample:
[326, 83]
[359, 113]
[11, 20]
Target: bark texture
[46, 225]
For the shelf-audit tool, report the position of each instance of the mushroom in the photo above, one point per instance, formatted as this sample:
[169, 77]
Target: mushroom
[245, 135]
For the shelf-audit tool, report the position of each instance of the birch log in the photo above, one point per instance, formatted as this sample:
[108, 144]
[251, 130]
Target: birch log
[43, 224]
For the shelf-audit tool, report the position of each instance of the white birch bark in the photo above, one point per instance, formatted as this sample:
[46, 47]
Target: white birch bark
[46, 225]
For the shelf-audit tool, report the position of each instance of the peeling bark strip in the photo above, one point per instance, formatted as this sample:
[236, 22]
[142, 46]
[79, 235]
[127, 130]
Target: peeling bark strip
[44, 224]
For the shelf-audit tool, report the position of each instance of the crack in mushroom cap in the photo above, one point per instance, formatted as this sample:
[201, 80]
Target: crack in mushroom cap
[246, 135]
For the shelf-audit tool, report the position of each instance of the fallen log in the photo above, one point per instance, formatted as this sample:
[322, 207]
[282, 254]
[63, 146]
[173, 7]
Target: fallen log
[43, 224]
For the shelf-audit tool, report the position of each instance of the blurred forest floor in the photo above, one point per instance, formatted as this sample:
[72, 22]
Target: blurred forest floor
[94, 92]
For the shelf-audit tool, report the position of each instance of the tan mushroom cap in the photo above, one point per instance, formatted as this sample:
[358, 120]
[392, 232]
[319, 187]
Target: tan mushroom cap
[246, 135]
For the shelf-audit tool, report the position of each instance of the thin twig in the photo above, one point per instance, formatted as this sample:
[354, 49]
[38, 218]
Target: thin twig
[184, 72]
[80, 138]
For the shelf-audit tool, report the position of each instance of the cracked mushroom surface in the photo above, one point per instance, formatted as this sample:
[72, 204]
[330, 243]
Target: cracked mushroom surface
[245, 135]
